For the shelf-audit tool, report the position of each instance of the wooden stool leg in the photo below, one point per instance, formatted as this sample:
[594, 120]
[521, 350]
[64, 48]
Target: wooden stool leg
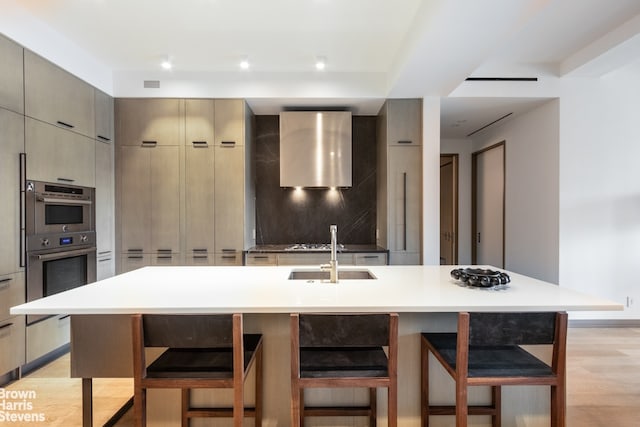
[558, 406]
[259, 391]
[186, 403]
[140, 407]
[496, 397]
[462, 408]
[424, 383]
[373, 406]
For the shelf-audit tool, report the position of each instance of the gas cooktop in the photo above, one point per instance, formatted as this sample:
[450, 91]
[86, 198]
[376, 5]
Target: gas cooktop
[312, 247]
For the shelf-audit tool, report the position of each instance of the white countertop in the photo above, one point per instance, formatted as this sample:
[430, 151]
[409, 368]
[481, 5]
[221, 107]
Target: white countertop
[267, 290]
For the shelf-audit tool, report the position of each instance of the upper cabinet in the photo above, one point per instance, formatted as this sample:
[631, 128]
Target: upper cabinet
[199, 122]
[57, 97]
[149, 121]
[11, 76]
[104, 116]
[230, 121]
[55, 155]
[404, 122]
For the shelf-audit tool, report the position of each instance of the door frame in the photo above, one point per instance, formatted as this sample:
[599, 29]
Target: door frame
[474, 198]
[455, 159]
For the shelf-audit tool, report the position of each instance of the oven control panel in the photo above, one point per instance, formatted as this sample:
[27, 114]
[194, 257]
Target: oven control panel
[60, 241]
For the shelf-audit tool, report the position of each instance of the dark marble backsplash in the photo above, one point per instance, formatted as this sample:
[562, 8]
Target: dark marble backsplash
[286, 215]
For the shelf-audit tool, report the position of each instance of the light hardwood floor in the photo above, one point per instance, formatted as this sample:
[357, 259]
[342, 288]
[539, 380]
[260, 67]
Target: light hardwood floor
[603, 384]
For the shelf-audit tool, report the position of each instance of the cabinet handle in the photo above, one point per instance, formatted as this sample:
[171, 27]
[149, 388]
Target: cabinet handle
[60, 319]
[104, 138]
[227, 143]
[134, 250]
[66, 179]
[6, 325]
[200, 256]
[370, 257]
[200, 250]
[104, 252]
[200, 143]
[228, 257]
[104, 260]
[405, 142]
[164, 257]
[23, 204]
[260, 257]
[67, 125]
[149, 143]
[228, 250]
[164, 250]
[404, 208]
[135, 257]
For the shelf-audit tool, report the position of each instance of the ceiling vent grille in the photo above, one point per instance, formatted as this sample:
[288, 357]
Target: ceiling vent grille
[501, 79]
[152, 84]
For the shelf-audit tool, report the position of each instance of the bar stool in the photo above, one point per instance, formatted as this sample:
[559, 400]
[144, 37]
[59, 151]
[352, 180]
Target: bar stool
[343, 350]
[486, 351]
[204, 351]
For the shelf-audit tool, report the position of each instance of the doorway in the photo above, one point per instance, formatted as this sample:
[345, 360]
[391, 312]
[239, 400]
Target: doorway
[448, 209]
[488, 205]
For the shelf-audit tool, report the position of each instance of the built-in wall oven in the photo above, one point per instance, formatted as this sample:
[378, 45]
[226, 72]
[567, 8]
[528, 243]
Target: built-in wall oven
[60, 239]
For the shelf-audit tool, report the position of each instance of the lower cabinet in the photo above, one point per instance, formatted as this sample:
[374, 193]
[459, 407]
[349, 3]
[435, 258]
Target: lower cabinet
[12, 352]
[261, 259]
[228, 258]
[370, 259]
[106, 265]
[132, 261]
[45, 336]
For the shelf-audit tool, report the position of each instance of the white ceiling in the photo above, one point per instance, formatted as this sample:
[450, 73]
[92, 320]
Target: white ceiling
[374, 48]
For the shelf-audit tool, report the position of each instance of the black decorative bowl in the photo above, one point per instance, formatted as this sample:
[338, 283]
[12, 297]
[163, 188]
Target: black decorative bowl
[480, 277]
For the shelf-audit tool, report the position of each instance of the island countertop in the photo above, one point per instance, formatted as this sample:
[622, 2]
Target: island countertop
[411, 289]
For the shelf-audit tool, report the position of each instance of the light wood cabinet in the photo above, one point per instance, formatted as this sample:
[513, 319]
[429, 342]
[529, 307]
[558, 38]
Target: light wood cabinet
[56, 155]
[133, 261]
[149, 183]
[399, 192]
[105, 210]
[404, 122]
[11, 145]
[11, 76]
[45, 336]
[199, 181]
[57, 97]
[12, 293]
[152, 120]
[370, 259]
[230, 121]
[104, 116]
[261, 259]
[12, 348]
[229, 198]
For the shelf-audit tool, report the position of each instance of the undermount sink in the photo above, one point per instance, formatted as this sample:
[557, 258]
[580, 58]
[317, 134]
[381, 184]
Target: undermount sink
[309, 274]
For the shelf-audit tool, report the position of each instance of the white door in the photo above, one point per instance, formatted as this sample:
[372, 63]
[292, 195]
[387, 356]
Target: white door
[489, 206]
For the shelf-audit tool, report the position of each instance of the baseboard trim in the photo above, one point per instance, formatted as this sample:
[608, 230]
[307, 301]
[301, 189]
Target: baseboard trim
[604, 323]
[43, 360]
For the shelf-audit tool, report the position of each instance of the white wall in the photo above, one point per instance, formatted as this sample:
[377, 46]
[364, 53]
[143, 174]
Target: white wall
[431, 180]
[464, 148]
[531, 189]
[600, 188]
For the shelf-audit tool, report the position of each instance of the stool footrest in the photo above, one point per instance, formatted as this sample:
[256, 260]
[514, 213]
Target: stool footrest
[471, 410]
[336, 411]
[217, 412]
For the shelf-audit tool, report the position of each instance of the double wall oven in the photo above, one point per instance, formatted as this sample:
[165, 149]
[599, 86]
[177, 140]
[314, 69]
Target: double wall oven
[60, 239]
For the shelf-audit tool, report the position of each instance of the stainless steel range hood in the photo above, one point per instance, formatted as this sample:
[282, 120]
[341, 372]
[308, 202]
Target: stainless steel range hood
[315, 149]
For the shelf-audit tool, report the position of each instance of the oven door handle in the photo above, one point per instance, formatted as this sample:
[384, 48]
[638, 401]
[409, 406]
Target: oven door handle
[64, 254]
[64, 201]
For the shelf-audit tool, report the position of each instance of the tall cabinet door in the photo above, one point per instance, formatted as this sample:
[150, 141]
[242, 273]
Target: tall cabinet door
[11, 145]
[200, 203]
[229, 198]
[165, 199]
[11, 76]
[135, 199]
[405, 199]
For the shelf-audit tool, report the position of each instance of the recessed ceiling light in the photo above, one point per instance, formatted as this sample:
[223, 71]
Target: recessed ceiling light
[166, 63]
[244, 64]
[321, 63]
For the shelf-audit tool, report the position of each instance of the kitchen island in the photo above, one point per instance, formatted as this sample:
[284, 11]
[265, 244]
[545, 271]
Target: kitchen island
[426, 298]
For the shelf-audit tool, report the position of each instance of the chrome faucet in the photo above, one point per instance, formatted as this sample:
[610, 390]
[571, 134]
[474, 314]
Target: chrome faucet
[333, 262]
